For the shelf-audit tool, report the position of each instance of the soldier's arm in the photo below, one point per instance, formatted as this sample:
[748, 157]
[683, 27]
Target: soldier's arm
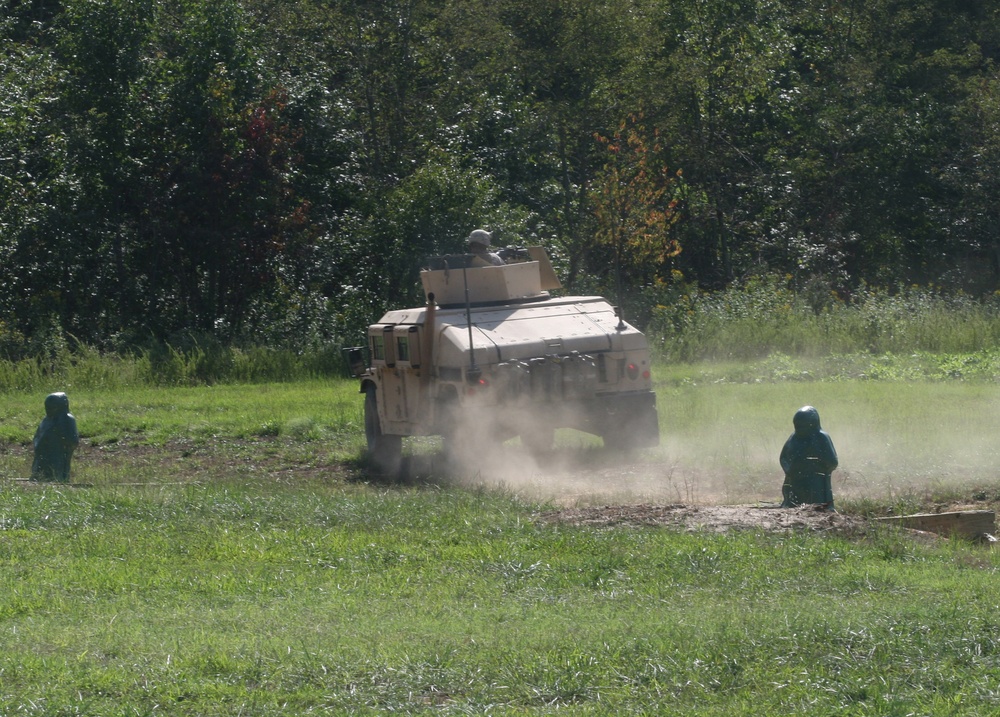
[828, 453]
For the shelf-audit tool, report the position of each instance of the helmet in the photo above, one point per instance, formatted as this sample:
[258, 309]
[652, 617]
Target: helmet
[480, 236]
[806, 420]
[56, 404]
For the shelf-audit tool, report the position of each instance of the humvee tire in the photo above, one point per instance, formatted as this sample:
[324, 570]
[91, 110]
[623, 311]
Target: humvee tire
[539, 441]
[385, 452]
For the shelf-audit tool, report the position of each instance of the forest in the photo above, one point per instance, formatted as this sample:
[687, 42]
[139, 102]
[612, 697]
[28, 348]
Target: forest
[273, 172]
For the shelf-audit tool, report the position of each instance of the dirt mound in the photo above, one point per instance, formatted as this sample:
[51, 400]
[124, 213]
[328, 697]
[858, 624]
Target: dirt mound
[717, 518]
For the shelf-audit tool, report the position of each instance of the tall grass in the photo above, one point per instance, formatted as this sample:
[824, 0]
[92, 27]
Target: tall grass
[765, 315]
[946, 336]
[203, 362]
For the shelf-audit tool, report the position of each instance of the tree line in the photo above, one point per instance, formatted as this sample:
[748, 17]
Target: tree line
[273, 171]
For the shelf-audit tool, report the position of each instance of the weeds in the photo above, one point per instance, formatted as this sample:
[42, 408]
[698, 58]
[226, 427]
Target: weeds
[910, 333]
[766, 316]
[197, 363]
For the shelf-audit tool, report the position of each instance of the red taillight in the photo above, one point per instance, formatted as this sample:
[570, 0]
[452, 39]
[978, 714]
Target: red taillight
[476, 384]
[633, 371]
[646, 374]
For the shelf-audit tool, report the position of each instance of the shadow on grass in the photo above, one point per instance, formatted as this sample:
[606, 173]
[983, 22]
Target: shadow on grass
[415, 470]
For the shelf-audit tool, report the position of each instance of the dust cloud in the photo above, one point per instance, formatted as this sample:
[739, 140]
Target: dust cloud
[722, 466]
[576, 471]
[720, 446]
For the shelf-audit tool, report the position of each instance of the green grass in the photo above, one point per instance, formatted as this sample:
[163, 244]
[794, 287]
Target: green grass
[308, 598]
[154, 435]
[722, 429]
[304, 409]
[893, 438]
[222, 552]
[197, 361]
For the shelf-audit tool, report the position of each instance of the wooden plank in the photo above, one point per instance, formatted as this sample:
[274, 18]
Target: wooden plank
[968, 524]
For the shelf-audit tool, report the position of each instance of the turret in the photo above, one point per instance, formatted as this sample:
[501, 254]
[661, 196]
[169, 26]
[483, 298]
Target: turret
[448, 278]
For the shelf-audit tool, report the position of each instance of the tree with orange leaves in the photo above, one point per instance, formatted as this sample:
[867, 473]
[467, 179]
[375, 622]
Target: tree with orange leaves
[635, 200]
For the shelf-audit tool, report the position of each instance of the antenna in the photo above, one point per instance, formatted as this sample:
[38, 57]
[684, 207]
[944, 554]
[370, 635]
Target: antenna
[474, 372]
[618, 280]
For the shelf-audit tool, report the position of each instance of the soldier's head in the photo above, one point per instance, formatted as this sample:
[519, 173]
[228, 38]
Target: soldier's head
[806, 420]
[56, 404]
[479, 240]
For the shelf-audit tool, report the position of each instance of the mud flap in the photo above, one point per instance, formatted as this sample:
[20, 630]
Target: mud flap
[630, 421]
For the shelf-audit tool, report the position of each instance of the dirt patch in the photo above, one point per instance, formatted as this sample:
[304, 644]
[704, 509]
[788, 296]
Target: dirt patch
[715, 519]
[585, 487]
[187, 460]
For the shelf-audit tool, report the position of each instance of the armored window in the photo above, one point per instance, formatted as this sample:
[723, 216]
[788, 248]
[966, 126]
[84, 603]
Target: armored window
[390, 354]
[378, 347]
[402, 349]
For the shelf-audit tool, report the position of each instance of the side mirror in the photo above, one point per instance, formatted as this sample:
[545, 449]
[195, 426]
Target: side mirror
[356, 361]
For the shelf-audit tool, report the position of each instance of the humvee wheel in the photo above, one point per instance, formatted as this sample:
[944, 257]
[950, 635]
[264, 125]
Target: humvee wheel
[619, 440]
[385, 452]
[538, 441]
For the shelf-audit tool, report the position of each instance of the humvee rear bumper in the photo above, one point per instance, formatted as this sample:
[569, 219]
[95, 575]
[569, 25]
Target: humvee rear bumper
[630, 418]
[621, 419]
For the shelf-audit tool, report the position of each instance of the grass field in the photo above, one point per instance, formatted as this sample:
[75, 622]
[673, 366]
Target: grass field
[722, 429]
[224, 553]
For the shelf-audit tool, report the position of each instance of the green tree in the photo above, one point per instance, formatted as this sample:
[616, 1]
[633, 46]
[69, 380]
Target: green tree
[223, 210]
[972, 175]
[871, 124]
[429, 213]
[712, 76]
[36, 184]
[182, 166]
[565, 55]
[101, 45]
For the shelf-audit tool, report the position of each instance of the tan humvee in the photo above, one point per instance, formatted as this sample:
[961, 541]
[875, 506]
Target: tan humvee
[493, 355]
